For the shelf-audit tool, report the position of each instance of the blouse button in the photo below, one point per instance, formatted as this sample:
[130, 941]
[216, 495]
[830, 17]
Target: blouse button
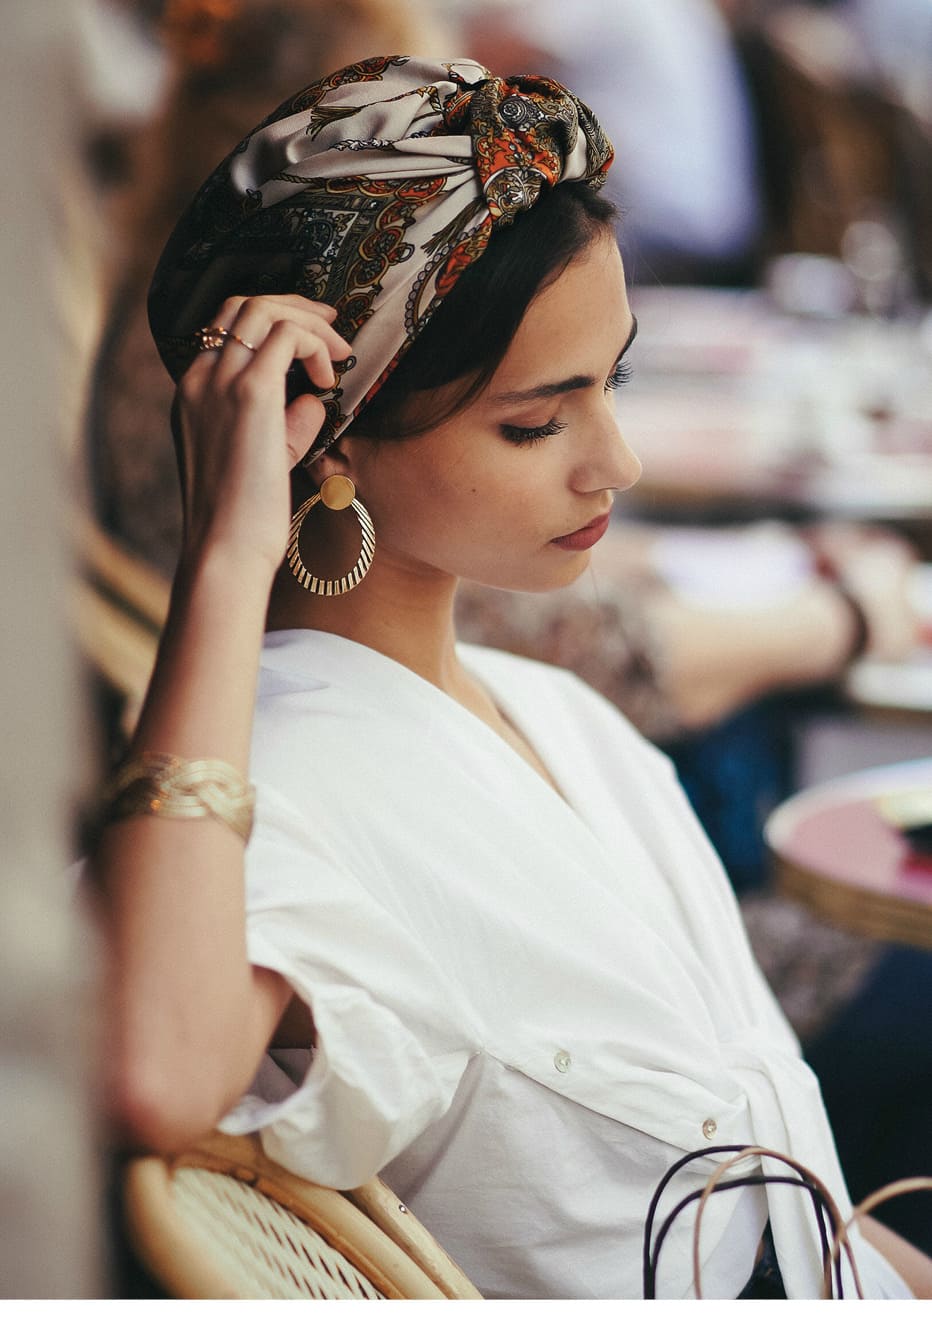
[562, 1060]
[709, 1127]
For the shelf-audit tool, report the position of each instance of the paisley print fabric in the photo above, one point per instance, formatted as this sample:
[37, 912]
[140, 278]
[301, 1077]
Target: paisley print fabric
[372, 190]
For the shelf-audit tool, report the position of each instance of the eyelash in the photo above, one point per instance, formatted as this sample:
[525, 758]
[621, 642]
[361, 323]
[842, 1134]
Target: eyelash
[620, 373]
[529, 436]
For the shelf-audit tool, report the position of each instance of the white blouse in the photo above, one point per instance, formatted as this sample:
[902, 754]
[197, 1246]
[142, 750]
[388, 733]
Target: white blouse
[528, 1005]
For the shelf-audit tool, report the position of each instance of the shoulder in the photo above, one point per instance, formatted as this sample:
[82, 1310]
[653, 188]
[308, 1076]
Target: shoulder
[309, 674]
[294, 661]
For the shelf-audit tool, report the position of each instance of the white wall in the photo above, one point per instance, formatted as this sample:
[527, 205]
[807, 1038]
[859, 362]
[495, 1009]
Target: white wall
[49, 1211]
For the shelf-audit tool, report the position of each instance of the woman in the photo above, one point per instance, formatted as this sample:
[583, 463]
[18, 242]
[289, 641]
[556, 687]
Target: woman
[471, 887]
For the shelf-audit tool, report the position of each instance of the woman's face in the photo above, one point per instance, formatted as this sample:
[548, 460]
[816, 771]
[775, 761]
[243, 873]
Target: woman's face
[514, 489]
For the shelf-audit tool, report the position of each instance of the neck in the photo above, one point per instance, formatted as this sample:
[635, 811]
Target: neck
[406, 615]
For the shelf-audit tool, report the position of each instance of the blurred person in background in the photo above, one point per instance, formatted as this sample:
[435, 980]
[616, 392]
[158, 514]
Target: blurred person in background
[748, 128]
[843, 109]
[892, 39]
[677, 107]
[899, 34]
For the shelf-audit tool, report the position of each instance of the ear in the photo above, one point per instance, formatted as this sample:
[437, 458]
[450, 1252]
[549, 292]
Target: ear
[341, 459]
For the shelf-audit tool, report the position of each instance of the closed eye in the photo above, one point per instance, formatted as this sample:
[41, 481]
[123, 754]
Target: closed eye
[524, 436]
[620, 373]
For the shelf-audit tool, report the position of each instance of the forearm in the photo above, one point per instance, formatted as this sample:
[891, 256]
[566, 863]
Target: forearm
[201, 699]
[190, 1016]
[912, 1264]
[714, 661]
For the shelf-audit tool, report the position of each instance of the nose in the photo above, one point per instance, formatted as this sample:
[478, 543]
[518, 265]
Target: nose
[629, 464]
[609, 462]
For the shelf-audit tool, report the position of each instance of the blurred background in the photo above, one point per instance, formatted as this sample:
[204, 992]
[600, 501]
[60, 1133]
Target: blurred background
[763, 609]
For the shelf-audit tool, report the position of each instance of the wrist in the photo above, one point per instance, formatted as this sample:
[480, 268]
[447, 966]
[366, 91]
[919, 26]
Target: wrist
[824, 628]
[860, 625]
[201, 697]
[226, 568]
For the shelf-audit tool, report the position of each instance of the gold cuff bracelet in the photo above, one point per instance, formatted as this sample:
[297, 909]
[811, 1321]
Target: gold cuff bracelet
[171, 787]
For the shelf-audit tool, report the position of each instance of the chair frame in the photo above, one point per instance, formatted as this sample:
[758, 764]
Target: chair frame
[369, 1226]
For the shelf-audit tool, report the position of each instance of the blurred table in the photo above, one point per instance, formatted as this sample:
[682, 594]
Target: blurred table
[738, 410]
[836, 854]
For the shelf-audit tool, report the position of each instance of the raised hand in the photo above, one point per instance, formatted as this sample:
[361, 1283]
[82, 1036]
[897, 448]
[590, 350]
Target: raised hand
[236, 439]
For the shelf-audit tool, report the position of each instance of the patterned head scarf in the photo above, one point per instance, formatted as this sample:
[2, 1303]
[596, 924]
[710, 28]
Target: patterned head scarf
[371, 190]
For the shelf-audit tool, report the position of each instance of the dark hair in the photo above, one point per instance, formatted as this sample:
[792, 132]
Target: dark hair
[469, 334]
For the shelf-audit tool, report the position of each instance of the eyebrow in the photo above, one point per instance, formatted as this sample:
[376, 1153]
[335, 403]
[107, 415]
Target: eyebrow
[552, 388]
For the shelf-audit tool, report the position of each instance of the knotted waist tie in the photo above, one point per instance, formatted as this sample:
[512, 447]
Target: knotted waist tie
[791, 1121]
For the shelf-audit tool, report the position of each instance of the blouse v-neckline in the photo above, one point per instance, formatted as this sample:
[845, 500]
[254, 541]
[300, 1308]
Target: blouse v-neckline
[542, 769]
[503, 702]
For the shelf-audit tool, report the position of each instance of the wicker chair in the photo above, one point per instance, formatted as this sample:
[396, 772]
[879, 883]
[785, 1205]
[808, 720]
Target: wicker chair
[224, 1221]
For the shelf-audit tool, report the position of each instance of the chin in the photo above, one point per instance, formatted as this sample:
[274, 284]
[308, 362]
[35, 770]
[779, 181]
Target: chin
[576, 565]
[539, 578]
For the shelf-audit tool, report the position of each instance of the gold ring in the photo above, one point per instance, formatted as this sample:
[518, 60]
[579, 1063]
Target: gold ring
[215, 337]
[240, 341]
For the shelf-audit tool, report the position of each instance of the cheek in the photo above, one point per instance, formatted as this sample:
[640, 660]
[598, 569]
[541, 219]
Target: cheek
[421, 506]
[517, 498]
[472, 496]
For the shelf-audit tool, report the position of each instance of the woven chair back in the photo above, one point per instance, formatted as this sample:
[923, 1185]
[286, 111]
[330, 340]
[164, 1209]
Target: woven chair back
[225, 1222]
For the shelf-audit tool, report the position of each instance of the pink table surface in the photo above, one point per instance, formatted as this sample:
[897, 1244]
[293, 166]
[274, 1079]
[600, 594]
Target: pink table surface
[836, 853]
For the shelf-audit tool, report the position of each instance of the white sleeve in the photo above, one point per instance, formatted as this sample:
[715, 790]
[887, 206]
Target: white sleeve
[390, 1044]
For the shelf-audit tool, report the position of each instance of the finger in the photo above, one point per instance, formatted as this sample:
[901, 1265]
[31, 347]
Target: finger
[339, 346]
[317, 346]
[255, 317]
[321, 347]
[303, 420]
[197, 375]
[284, 342]
[319, 367]
[242, 323]
[251, 323]
[275, 305]
[300, 303]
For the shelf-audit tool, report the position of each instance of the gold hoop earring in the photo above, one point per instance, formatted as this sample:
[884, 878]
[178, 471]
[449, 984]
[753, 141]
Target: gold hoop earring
[336, 493]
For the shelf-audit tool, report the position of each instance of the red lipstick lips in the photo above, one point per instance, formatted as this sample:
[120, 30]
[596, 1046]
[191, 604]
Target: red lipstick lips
[584, 538]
